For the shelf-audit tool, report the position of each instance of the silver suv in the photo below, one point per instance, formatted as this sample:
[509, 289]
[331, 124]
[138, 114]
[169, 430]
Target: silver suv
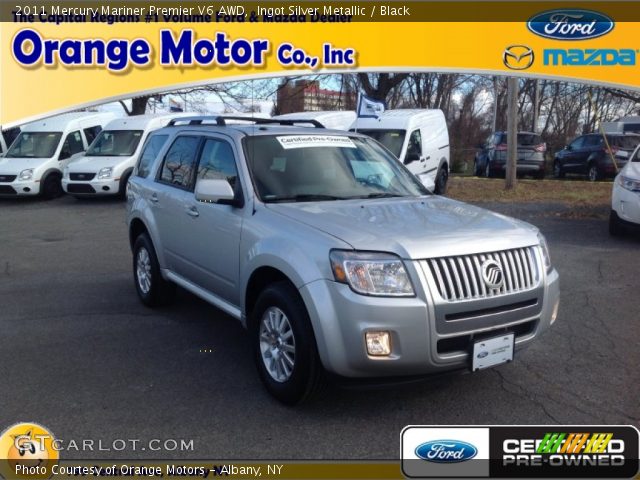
[333, 256]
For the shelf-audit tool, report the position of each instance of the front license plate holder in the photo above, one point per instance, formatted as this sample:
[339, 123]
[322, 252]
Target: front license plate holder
[493, 351]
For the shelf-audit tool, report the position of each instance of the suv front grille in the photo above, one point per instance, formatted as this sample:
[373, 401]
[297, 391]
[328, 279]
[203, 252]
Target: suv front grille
[7, 178]
[81, 176]
[460, 277]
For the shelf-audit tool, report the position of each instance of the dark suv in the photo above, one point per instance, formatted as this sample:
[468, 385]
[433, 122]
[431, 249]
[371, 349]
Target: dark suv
[588, 155]
[491, 159]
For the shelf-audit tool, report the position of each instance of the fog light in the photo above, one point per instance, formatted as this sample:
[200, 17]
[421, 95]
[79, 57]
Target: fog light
[378, 344]
[554, 314]
[105, 188]
[26, 189]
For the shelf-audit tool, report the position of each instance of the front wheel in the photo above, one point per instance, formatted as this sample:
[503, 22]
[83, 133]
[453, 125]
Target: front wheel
[284, 345]
[51, 187]
[152, 289]
[441, 180]
[593, 173]
[558, 172]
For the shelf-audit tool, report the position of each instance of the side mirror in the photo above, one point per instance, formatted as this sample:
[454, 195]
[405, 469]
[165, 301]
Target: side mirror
[216, 190]
[568, 147]
[411, 157]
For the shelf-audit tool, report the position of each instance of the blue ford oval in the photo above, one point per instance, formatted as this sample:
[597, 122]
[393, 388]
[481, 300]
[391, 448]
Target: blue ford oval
[446, 451]
[570, 24]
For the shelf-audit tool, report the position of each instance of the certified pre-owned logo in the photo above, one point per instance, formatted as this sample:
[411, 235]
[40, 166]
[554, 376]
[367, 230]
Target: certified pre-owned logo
[570, 24]
[446, 451]
[518, 57]
[492, 274]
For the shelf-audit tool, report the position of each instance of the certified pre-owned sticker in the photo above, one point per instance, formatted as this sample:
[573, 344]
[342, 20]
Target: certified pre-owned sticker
[306, 141]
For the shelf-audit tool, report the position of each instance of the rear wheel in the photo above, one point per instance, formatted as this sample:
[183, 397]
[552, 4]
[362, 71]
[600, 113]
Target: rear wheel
[51, 186]
[284, 345]
[441, 180]
[593, 173]
[558, 171]
[616, 228]
[152, 289]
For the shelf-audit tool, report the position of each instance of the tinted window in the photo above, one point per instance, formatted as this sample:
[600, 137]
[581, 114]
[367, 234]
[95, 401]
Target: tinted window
[392, 139]
[35, 144]
[149, 153]
[180, 162]
[118, 143]
[627, 142]
[217, 161]
[524, 139]
[10, 135]
[592, 141]
[91, 133]
[72, 145]
[577, 143]
[415, 143]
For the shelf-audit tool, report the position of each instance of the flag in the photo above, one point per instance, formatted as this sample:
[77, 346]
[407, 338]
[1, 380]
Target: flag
[369, 108]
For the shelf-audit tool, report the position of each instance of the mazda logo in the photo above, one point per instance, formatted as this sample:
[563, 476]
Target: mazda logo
[492, 274]
[518, 57]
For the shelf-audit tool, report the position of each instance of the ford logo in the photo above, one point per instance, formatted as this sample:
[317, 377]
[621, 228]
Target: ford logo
[570, 24]
[482, 354]
[446, 451]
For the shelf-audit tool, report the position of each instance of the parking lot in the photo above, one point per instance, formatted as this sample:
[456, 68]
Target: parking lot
[81, 355]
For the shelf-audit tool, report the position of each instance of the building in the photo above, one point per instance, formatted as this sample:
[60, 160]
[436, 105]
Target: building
[306, 95]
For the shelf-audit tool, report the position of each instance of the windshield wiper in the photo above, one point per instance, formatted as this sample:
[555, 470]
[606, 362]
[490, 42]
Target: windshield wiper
[381, 195]
[306, 197]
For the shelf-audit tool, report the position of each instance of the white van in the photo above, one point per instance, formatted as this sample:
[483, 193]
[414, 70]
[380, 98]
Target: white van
[105, 167]
[334, 120]
[623, 125]
[34, 162]
[418, 137]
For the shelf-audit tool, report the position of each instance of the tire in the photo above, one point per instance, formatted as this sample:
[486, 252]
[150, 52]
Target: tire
[487, 170]
[477, 171]
[616, 228]
[153, 290]
[122, 187]
[442, 177]
[558, 171]
[540, 175]
[52, 187]
[286, 356]
[592, 173]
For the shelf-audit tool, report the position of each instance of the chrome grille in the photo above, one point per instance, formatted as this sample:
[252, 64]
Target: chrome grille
[460, 277]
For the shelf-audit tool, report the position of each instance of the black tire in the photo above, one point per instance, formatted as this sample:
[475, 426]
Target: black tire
[616, 228]
[442, 178]
[306, 376]
[122, 188]
[540, 175]
[477, 171]
[157, 291]
[52, 187]
[593, 174]
[558, 171]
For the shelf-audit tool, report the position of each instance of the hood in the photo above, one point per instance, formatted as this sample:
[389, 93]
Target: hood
[414, 228]
[632, 170]
[94, 164]
[13, 166]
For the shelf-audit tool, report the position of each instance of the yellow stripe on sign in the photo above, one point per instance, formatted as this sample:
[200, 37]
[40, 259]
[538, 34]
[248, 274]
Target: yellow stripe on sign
[598, 442]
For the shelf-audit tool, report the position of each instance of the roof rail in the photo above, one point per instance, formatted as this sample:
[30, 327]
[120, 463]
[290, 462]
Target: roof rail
[220, 120]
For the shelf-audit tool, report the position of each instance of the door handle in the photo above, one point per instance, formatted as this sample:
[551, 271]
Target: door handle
[192, 212]
[153, 198]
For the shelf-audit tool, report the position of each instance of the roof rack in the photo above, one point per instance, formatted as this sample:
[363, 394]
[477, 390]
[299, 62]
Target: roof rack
[220, 120]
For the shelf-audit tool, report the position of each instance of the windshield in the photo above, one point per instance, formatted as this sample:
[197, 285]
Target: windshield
[115, 143]
[35, 144]
[294, 168]
[392, 139]
[626, 142]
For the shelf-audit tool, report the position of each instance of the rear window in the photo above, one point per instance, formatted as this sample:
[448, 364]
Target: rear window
[524, 139]
[626, 142]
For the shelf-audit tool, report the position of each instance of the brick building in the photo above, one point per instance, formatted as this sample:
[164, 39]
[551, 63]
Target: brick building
[306, 96]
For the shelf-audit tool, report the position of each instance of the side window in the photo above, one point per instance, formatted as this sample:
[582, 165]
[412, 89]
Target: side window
[415, 143]
[149, 153]
[577, 143]
[217, 161]
[91, 133]
[72, 145]
[180, 162]
[498, 139]
[592, 141]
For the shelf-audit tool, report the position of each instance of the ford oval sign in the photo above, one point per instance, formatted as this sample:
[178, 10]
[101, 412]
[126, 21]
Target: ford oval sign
[570, 24]
[446, 451]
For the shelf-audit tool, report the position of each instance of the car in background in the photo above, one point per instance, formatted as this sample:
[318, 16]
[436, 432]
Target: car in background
[105, 167]
[625, 197]
[34, 163]
[491, 158]
[7, 137]
[589, 155]
[334, 120]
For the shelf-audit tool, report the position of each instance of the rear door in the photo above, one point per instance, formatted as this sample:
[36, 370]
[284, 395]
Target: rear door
[571, 155]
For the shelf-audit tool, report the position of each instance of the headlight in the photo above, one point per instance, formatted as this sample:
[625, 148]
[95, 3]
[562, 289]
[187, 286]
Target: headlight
[26, 174]
[546, 258]
[369, 273]
[105, 172]
[629, 183]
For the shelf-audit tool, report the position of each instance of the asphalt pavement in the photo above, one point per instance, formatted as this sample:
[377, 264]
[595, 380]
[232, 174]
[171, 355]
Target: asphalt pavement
[82, 356]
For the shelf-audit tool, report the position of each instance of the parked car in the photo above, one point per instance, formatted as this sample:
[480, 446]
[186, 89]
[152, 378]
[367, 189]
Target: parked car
[105, 167]
[33, 164]
[419, 138]
[337, 120]
[332, 254]
[589, 155]
[491, 158]
[625, 197]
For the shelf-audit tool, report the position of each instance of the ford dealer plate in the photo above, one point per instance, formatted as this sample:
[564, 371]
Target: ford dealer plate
[492, 351]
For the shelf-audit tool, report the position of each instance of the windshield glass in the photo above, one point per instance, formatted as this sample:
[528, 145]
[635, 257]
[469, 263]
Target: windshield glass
[115, 143]
[288, 168]
[626, 142]
[392, 139]
[35, 144]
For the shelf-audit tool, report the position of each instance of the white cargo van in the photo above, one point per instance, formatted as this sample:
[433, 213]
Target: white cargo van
[34, 162]
[623, 125]
[105, 167]
[418, 137]
[335, 120]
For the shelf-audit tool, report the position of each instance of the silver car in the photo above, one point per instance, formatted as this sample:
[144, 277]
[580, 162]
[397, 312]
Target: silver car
[332, 255]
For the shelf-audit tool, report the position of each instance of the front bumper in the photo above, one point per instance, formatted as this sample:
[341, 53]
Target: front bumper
[626, 204]
[20, 188]
[108, 186]
[341, 318]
